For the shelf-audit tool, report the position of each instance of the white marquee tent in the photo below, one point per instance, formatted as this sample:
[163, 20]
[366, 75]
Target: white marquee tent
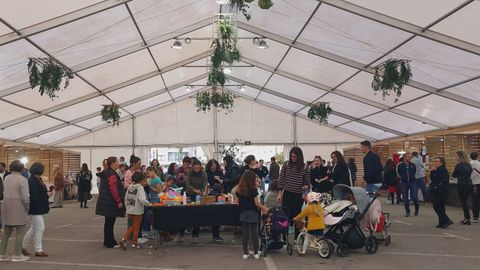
[319, 51]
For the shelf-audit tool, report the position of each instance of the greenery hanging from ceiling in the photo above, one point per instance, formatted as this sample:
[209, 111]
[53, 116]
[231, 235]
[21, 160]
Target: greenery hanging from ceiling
[111, 114]
[220, 100]
[320, 112]
[390, 76]
[243, 6]
[47, 74]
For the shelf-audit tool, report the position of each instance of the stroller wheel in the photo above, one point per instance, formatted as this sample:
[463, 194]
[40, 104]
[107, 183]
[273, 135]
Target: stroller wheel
[388, 240]
[324, 249]
[289, 249]
[371, 244]
[299, 242]
[342, 250]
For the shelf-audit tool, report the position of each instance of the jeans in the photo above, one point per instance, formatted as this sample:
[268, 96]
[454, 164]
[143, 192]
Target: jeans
[108, 235]
[372, 188]
[439, 200]
[250, 230]
[463, 192]
[35, 232]
[215, 231]
[20, 233]
[132, 231]
[58, 197]
[422, 186]
[147, 220]
[476, 202]
[412, 189]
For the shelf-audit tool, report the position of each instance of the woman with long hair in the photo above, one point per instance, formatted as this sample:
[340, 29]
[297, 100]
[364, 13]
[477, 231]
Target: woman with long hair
[463, 173]
[232, 174]
[84, 182]
[439, 186]
[215, 180]
[293, 181]
[339, 173]
[158, 169]
[110, 201]
[390, 180]
[172, 170]
[319, 177]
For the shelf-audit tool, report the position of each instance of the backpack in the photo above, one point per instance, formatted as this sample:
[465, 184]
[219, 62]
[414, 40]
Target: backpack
[280, 221]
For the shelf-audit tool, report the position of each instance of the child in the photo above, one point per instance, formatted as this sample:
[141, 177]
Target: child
[314, 213]
[170, 184]
[249, 205]
[271, 198]
[135, 201]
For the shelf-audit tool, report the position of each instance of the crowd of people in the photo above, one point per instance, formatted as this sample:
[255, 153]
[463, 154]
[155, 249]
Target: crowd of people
[129, 190]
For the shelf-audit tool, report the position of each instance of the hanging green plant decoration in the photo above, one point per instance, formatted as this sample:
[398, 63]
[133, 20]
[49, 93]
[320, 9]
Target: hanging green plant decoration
[390, 76]
[47, 74]
[243, 6]
[220, 100]
[224, 52]
[320, 112]
[111, 114]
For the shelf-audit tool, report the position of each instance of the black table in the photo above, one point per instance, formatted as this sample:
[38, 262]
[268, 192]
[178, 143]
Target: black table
[177, 217]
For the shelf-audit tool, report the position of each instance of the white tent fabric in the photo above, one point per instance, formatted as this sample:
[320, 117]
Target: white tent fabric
[319, 51]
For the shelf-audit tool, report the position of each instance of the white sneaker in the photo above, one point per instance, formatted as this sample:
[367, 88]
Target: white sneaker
[256, 256]
[142, 240]
[20, 258]
[4, 258]
[178, 239]
[245, 256]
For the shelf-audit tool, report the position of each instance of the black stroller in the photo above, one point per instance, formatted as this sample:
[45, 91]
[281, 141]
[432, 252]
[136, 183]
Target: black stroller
[275, 231]
[347, 233]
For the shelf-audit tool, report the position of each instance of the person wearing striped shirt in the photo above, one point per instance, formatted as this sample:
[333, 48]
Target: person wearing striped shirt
[293, 180]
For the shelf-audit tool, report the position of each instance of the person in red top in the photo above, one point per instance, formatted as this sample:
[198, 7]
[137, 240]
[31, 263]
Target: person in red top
[110, 201]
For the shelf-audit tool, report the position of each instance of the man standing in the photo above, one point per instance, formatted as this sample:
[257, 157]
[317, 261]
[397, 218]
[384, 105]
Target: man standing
[476, 185]
[274, 170]
[263, 174]
[406, 171]
[59, 185]
[372, 168]
[420, 175]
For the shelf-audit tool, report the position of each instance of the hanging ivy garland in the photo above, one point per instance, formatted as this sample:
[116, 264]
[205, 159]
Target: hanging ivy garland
[220, 100]
[390, 77]
[111, 114]
[320, 112]
[243, 6]
[47, 74]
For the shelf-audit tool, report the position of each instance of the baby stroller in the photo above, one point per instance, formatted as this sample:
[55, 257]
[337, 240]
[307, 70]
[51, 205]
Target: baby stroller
[275, 230]
[378, 223]
[346, 232]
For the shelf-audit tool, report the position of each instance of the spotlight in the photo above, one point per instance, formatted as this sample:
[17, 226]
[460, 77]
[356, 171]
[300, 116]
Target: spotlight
[188, 88]
[227, 70]
[177, 45]
[260, 42]
[241, 88]
[222, 2]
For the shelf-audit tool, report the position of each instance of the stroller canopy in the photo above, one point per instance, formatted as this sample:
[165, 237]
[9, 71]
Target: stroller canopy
[341, 191]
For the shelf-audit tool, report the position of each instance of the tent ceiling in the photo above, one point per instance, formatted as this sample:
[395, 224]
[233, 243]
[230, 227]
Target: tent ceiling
[318, 51]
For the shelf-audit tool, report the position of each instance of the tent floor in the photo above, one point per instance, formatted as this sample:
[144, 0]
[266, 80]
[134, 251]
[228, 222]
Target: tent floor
[73, 239]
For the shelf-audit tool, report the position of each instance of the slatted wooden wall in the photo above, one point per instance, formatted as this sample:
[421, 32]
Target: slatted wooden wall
[49, 158]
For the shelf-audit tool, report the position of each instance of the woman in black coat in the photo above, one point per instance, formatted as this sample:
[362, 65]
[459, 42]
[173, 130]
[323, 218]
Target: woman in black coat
[463, 173]
[84, 182]
[232, 174]
[339, 173]
[39, 195]
[110, 201]
[439, 185]
[319, 177]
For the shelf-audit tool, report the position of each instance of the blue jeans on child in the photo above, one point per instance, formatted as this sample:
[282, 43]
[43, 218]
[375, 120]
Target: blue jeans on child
[372, 188]
[410, 192]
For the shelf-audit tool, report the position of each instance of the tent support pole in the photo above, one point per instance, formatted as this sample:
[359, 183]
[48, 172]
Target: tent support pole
[133, 135]
[216, 154]
[294, 127]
